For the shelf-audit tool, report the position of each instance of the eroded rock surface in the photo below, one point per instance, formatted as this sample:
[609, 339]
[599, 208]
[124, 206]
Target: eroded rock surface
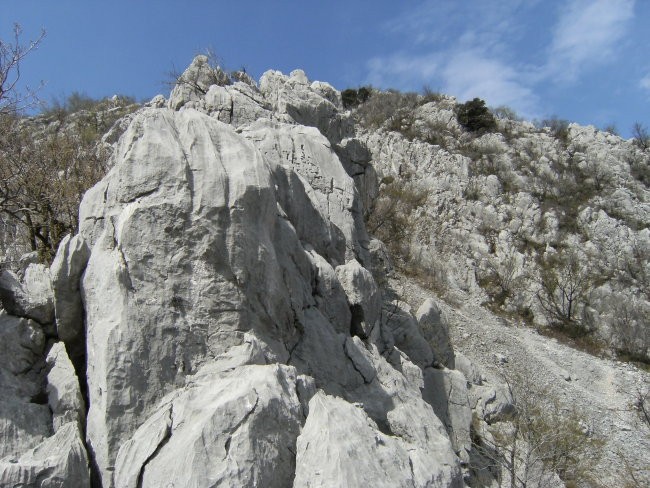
[218, 239]
[227, 313]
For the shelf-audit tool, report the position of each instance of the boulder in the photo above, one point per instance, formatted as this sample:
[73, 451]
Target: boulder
[195, 82]
[25, 418]
[59, 461]
[436, 332]
[309, 105]
[30, 297]
[341, 446]
[66, 271]
[234, 428]
[446, 391]
[364, 298]
[468, 368]
[63, 391]
[405, 334]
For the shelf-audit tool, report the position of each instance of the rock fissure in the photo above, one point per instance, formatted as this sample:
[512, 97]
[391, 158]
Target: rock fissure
[167, 436]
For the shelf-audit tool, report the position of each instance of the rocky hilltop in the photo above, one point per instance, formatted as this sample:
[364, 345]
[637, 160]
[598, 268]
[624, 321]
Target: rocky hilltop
[223, 318]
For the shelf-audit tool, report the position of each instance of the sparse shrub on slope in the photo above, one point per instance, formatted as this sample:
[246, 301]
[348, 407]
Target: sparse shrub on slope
[475, 116]
[559, 128]
[541, 443]
[44, 180]
[46, 165]
[641, 136]
[382, 106]
[391, 219]
[352, 97]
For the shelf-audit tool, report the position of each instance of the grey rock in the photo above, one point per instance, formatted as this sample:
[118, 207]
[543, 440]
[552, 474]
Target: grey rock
[305, 104]
[468, 368]
[196, 238]
[436, 332]
[25, 419]
[59, 461]
[381, 263]
[195, 82]
[63, 391]
[364, 298]
[340, 446]
[66, 270]
[492, 402]
[402, 327]
[237, 104]
[30, 297]
[235, 428]
[446, 391]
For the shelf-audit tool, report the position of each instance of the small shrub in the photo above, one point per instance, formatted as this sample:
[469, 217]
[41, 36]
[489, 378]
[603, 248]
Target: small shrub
[353, 98]
[559, 128]
[382, 106]
[505, 113]
[475, 116]
[565, 284]
[391, 217]
[641, 136]
[429, 95]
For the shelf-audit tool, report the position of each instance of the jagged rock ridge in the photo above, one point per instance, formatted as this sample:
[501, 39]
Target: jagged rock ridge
[234, 332]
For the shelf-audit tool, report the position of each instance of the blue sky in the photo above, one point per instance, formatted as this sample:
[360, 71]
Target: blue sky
[583, 60]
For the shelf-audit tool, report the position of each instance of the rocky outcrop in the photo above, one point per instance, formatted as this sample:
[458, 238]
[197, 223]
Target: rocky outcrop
[228, 428]
[511, 211]
[59, 461]
[63, 391]
[24, 416]
[227, 313]
[436, 332]
[228, 282]
[29, 297]
[41, 411]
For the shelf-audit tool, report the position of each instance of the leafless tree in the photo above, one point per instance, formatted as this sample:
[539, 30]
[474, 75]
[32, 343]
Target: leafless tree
[12, 53]
[565, 285]
[641, 136]
[540, 445]
[42, 180]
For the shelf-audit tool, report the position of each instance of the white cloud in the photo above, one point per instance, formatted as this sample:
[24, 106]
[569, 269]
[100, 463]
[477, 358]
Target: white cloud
[402, 69]
[587, 34]
[465, 74]
[471, 74]
[468, 49]
[645, 82]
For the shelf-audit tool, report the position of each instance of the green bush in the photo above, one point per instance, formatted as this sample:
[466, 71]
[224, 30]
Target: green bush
[353, 98]
[475, 116]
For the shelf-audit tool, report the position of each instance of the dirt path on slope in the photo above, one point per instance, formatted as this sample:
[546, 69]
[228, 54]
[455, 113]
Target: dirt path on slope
[602, 390]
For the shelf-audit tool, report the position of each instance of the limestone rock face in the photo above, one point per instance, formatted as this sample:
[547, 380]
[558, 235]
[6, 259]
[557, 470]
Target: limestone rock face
[24, 416]
[341, 446]
[63, 391]
[231, 428]
[315, 105]
[363, 296]
[59, 461]
[218, 311]
[30, 297]
[436, 332]
[194, 82]
[66, 270]
[206, 241]
[453, 407]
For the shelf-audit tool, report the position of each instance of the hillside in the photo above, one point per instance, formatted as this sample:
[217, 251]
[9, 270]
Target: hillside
[274, 284]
